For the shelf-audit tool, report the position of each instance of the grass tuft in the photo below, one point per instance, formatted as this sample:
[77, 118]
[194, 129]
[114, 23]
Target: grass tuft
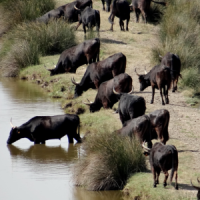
[111, 159]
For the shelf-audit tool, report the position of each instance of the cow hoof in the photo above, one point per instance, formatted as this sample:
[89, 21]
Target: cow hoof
[176, 187]
[173, 90]
[163, 103]
[164, 184]
[151, 102]
[154, 185]
[157, 182]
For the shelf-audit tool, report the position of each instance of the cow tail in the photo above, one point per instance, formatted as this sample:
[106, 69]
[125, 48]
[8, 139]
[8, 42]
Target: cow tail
[109, 19]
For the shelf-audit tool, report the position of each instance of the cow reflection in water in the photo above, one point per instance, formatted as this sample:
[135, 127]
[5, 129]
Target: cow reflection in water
[46, 154]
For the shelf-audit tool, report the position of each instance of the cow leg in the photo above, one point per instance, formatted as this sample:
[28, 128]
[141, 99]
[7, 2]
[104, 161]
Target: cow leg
[158, 174]
[121, 24]
[121, 118]
[176, 177]
[96, 83]
[154, 176]
[103, 2]
[84, 28]
[166, 95]
[137, 14]
[161, 94]
[153, 93]
[127, 21]
[70, 139]
[166, 177]
[144, 16]
[79, 23]
[112, 19]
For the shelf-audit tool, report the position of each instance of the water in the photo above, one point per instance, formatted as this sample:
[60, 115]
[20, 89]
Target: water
[29, 171]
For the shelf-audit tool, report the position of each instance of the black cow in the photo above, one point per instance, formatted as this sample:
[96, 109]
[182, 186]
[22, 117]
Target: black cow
[101, 71]
[159, 125]
[106, 97]
[143, 6]
[139, 127]
[71, 14]
[108, 3]
[173, 62]
[74, 57]
[42, 128]
[120, 9]
[197, 188]
[130, 106]
[67, 11]
[90, 18]
[160, 78]
[52, 14]
[163, 158]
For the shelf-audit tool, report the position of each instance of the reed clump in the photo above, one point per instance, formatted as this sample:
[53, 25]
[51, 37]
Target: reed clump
[109, 160]
[17, 11]
[179, 34]
[24, 45]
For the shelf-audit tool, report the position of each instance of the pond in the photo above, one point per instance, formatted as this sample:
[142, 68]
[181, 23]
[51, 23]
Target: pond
[31, 171]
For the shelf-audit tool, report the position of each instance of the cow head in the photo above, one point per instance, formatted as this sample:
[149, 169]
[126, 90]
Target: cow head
[14, 134]
[144, 82]
[78, 89]
[93, 106]
[197, 188]
[52, 71]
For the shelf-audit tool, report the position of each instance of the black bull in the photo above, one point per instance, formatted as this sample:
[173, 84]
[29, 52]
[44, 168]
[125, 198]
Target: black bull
[90, 18]
[101, 71]
[106, 97]
[67, 11]
[42, 128]
[74, 57]
[163, 158]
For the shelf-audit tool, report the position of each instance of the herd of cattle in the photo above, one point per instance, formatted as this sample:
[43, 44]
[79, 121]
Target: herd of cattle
[113, 84]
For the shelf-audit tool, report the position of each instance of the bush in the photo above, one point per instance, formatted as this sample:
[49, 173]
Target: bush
[27, 42]
[179, 33]
[109, 161]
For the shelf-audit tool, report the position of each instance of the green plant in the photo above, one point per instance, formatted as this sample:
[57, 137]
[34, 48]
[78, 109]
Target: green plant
[109, 161]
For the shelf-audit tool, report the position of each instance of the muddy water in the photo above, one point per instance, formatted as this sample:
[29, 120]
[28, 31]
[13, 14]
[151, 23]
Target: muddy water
[30, 171]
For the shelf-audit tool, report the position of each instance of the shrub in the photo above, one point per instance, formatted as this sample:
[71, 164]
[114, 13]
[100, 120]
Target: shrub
[27, 42]
[109, 161]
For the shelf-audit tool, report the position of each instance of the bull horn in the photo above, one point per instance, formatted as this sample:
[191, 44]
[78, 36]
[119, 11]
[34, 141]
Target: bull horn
[160, 56]
[198, 180]
[46, 68]
[131, 90]
[131, 4]
[74, 82]
[143, 145]
[136, 72]
[145, 72]
[115, 92]
[197, 188]
[89, 101]
[76, 8]
[86, 103]
[12, 123]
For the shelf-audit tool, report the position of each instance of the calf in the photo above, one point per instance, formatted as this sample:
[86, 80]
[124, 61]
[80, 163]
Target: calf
[138, 127]
[101, 71]
[143, 6]
[173, 62]
[120, 9]
[105, 96]
[74, 57]
[130, 106]
[163, 158]
[160, 78]
[90, 18]
[159, 125]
